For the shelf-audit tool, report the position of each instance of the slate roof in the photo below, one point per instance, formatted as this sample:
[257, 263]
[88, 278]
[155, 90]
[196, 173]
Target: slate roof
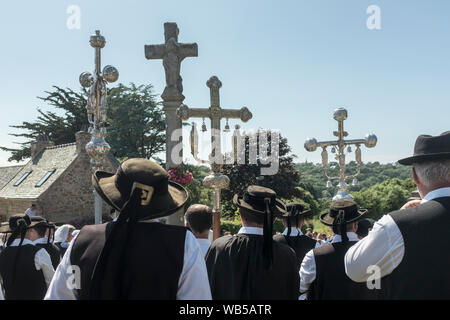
[57, 158]
[7, 173]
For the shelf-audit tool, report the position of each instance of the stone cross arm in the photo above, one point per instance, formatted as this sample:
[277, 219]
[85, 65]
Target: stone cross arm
[157, 51]
[184, 112]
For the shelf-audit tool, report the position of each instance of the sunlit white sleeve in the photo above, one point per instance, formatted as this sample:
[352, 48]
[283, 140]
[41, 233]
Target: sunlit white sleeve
[382, 247]
[61, 287]
[193, 283]
[42, 261]
[307, 273]
[1, 292]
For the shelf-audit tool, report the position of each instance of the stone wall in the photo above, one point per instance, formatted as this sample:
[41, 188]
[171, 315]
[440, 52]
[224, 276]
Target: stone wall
[10, 207]
[71, 196]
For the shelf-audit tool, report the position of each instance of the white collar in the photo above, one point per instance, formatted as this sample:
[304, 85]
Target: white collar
[437, 193]
[350, 235]
[16, 242]
[203, 241]
[43, 240]
[251, 230]
[294, 232]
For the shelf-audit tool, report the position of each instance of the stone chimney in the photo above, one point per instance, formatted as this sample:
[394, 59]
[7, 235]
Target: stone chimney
[82, 139]
[42, 142]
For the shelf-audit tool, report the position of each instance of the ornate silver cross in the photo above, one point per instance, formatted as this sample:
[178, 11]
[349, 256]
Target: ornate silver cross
[311, 144]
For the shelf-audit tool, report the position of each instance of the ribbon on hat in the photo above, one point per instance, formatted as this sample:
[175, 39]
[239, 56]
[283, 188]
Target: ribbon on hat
[267, 234]
[113, 257]
[18, 226]
[340, 224]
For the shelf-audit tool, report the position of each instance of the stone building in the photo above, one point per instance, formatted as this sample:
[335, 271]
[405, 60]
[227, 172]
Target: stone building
[57, 179]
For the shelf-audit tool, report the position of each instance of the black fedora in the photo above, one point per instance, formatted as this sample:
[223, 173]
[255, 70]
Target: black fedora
[348, 207]
[295, 209]
[14, 220]
[429, 148]
[160, 197]
[253, 201]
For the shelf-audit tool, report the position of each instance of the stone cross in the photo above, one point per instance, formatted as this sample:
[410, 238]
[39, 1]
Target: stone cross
[311, 144]
[172, 53]
[215, 180]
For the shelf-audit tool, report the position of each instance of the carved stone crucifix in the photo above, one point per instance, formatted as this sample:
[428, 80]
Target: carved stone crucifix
[172, 53]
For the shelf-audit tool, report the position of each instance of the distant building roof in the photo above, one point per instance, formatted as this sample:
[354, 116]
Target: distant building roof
[56, 159]
[7, 173]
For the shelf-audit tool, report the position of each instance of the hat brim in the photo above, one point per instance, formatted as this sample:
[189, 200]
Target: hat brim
[304, 214]
[7, 229]
[279, 205]
[424, 157]
[328, 221]
[159, 206]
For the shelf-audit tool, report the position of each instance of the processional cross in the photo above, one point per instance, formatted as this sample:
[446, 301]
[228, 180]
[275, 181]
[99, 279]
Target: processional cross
[215, 180]
[311, 144]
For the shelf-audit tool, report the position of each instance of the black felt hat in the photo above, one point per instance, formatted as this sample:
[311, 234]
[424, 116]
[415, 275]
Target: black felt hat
[253, 201]
[341, 208]
[14, 221]
[160, 197]
[295, 209]
[429, 148]
[262, 201]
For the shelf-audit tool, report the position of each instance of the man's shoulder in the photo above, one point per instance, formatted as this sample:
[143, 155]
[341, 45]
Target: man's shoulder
[222, 241]
[325, 249]
[424, 211]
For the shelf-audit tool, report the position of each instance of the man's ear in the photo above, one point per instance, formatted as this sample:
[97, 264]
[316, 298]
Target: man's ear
[355, 226]
[415, 177]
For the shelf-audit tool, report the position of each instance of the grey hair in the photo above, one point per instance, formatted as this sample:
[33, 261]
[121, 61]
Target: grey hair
[432, 173]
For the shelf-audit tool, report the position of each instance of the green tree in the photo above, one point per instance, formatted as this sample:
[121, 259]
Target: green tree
[135, 121]
[284, 182]
[385, 197]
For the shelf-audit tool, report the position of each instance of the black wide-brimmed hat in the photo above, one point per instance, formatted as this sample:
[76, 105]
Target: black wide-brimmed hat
[342, 209]
[295, 209]
[160, 197]
[429, 148]
[253, 201]
[261, 201]
[14, 220]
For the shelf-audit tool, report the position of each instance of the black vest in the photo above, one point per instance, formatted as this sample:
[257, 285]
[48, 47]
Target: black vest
[155, 259]
[424, 272]
[331, 282]
[29, 283]
[301, 245]
[53, 251]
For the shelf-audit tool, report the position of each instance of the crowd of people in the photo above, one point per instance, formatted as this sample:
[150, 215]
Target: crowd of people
[137, 257]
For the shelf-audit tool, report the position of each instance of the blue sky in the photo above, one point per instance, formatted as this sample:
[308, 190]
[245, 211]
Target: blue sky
[290, 62]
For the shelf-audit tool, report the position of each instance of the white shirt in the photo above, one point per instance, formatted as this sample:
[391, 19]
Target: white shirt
[383, 246]
[204, 245]
[31, 213]
[308, 267]
[42, 260]
[251, 230]
[43, 240]
[192, 285]
[295, 232]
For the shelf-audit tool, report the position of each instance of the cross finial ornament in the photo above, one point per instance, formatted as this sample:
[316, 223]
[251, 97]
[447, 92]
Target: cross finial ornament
[311, 144]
